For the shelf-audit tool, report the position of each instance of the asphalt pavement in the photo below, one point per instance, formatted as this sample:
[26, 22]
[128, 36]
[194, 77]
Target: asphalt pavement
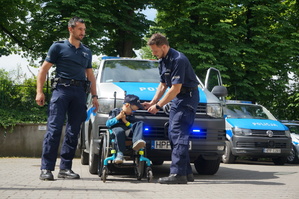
[19, 178]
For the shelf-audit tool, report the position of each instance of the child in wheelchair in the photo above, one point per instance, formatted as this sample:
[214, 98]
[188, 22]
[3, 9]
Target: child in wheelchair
[123, 123]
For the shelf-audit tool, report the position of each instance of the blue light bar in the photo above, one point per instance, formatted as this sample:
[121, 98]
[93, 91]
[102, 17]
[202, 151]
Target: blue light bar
[196, 130]
[146, 130]
[239, 101]
[110, 57]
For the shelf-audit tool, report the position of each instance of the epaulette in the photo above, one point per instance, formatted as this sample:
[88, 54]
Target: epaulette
[85, 46]
[59, 42]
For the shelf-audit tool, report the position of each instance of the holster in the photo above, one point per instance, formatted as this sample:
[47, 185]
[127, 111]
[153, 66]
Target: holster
[54, 82]
[87, 86]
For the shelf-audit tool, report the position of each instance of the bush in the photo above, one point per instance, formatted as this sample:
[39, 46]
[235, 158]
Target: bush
[17, 102]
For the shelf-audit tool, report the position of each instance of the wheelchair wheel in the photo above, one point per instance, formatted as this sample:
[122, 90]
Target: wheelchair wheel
[149, 174]
[104, 155]
[100, 163]
[139, 168]
[104, 174]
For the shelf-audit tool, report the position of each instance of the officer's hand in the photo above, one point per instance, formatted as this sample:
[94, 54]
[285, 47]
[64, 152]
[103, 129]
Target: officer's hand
[146, 105]
[152, 109]
[95, 103]
[40, 99]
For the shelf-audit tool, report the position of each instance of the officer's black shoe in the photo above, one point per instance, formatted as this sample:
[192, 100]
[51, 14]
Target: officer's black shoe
[68, 173]
[190, 177]
[173, 179]
[46, 175]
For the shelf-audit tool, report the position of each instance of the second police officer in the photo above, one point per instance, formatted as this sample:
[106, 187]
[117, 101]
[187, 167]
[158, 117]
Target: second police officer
[177, 74]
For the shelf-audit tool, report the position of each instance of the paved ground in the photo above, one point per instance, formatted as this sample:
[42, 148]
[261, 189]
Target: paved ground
[19, 178]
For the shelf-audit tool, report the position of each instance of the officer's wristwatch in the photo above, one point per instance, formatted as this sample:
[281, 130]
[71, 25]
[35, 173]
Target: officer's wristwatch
[95, 96]
[158, 107]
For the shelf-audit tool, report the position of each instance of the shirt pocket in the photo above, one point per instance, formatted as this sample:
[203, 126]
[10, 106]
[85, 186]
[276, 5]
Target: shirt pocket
[167, 77]
[84, 59]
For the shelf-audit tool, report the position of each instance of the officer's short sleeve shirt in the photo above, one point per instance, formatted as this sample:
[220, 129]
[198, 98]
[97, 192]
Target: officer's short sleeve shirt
[70, 62]
[175, 68]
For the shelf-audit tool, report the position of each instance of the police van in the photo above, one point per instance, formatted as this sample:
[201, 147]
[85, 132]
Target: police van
[117, 77]
[252, 131]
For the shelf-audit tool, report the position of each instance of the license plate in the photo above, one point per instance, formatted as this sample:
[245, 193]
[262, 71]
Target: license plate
[164, 144]
[269, 150]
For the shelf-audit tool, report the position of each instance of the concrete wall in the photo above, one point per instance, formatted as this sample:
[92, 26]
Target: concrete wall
[24, 141]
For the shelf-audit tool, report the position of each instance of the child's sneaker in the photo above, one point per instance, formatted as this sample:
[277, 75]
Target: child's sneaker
[139, 144]
[119, 158]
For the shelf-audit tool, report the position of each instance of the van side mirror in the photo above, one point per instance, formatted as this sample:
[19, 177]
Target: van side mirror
[219, 91]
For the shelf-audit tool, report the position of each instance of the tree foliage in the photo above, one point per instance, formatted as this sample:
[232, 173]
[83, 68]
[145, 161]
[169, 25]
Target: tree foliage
[253, 43]
[114, 27]
[17, 104]
[14, 29]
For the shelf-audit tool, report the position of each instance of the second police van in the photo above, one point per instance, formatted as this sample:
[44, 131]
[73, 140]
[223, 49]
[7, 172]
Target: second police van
[252, 131]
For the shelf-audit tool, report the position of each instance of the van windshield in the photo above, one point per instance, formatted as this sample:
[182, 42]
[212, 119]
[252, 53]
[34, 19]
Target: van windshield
[131, 71]
[293, 128]
[250, 111]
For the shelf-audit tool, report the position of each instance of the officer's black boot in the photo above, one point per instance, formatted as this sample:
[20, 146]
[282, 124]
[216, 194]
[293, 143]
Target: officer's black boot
[68, 173]
[173, 179]
[46, 175]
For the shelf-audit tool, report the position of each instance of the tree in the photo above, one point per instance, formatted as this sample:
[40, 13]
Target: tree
[253, 43]
[125, 28]
[114, 27]
[13, 25]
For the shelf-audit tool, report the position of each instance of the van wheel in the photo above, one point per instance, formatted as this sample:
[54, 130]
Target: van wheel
[279, 160]
[206, 167]
[93, 159]
[293, 157]
[157, 162]
[228, 157]
[84, 157]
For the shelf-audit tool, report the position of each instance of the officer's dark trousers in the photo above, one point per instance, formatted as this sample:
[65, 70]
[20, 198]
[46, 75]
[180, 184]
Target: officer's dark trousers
[120, 135]
[181, 119]
[70, 101]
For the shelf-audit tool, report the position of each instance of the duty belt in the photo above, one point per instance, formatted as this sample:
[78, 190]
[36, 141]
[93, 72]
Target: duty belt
[187, 89]
[71, 82]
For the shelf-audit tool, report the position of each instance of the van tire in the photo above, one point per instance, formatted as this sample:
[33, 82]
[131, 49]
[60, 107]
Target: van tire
[279, 160]
[206, 167]
[93, 159]
[228, 157]
[157, 162]
[84, 157]
[293, 157]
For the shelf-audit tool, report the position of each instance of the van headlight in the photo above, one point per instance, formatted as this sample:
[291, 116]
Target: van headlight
[214, 110]
[240, 131]
[288, 134]
[106, 104]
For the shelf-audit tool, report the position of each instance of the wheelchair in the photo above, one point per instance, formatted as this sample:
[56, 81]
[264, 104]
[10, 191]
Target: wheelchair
[136, 160]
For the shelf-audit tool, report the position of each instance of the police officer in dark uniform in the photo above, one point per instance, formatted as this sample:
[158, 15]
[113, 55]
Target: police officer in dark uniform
[176, 73]
[73, 68]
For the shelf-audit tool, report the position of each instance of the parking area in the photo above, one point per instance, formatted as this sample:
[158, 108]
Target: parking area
[19, 178]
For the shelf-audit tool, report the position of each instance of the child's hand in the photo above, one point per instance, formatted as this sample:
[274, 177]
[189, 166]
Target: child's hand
[121, 115]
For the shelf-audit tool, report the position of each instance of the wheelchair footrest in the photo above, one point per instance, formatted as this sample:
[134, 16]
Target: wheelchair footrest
[125, 165]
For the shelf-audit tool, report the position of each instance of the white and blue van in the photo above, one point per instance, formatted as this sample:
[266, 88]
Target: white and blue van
[252, 131]
[294, 130]
[117, 77]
